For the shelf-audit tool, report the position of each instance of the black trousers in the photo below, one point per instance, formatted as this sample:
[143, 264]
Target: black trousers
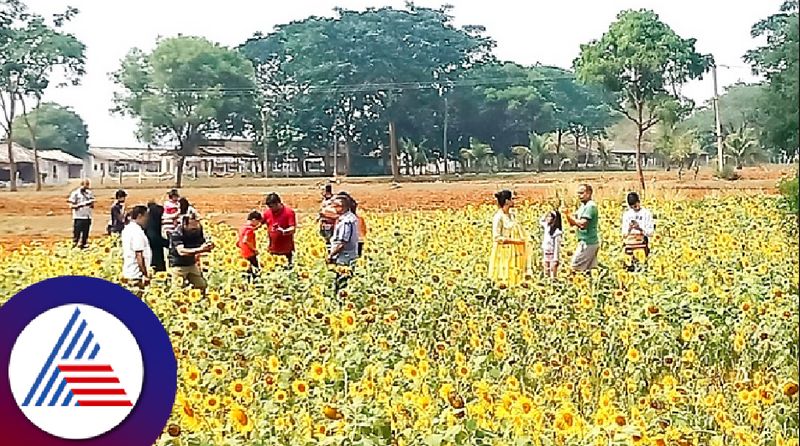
[252, 271]
[80, 231]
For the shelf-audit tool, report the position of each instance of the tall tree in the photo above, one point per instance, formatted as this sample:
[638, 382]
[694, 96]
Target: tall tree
[32, 49]
[58, 127]
[186, 90]
[645, 62]
[778, 61]
[370, 70]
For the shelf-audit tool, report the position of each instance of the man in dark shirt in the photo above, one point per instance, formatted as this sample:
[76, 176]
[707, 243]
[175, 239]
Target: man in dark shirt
[117, 222]
[186, 242]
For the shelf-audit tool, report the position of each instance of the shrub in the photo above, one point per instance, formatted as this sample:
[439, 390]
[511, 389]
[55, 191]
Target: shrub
[789, 190]
[728, 173]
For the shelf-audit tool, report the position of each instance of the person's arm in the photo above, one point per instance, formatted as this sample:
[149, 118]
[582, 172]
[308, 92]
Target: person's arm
[581, 222]
[626, 224]
[341, 237]
[648, 224]
[142, 265]
[292, 224]
[73, 202]
[556, 245]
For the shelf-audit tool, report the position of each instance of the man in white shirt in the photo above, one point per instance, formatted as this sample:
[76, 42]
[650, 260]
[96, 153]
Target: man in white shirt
[81, 201]
[638, 225]
[136, 253]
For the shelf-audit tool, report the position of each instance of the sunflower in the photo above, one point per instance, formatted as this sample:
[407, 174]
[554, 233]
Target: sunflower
[238, 388]
[348, 321]
[280, 396]
[316, 371]
[191, 375]
[300, 388]
[212, 403]
[242, 423]
[273, 364]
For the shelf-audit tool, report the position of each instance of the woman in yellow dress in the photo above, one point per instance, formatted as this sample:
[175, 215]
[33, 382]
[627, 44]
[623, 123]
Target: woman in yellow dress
[509, 262]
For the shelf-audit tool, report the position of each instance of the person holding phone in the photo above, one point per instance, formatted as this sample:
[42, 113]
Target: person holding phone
[81, 201]
[281, 224]
[187, 242]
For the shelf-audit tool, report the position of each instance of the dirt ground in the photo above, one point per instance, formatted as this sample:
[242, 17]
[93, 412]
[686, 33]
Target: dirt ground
[44, 216]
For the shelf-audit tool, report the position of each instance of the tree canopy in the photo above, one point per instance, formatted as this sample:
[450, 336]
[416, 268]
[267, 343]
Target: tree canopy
[184, 91]
[58, 127]
[643, 61]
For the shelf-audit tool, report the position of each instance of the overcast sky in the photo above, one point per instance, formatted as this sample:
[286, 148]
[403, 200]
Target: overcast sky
[526, 32]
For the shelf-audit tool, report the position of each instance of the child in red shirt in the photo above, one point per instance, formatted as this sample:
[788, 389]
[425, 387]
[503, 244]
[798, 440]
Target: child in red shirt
[247, 242]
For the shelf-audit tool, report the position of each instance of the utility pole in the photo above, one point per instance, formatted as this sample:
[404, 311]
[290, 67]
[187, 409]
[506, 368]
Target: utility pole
[444, 137]
[720, 156]
[265, 141]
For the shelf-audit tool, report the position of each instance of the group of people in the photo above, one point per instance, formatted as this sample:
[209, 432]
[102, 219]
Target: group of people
[343, 231]
[146, 232]
[511, 256]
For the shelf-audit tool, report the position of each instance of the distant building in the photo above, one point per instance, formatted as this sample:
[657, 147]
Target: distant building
[56, 167]
[110, 161]
[220, 156]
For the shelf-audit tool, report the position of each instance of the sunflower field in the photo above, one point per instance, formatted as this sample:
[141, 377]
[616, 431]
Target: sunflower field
[698, 348]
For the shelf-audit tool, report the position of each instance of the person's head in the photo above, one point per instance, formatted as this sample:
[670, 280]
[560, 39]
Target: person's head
[190, 224]
[255, 219]
[327, 192]
[183, 205]
[584, 193]
[85, 184]
[273, 202]
[342, 204]
[120, 195]
[139, 214]
[634, 202]
[505, 199]
[553, 220]
[173, 195]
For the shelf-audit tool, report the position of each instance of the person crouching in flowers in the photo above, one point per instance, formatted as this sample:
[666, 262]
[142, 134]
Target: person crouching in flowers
[247, 242]
[187, 242]
[638, 228]
[551, 242]
[510, 258]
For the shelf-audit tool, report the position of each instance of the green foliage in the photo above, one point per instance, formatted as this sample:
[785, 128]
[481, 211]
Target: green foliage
[643, 61]
[32, 49]
[791, 195]
[727, 173]
[742, 146]
[778, 61]
[57, 127]
[184, 90]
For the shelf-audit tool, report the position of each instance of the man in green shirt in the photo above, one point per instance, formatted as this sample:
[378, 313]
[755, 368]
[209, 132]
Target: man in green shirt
[586, 219]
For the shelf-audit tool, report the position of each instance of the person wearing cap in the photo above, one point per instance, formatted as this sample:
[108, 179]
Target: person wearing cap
[117, 221]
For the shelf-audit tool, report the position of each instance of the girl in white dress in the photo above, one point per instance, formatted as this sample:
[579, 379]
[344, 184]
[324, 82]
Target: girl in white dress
[551, 242]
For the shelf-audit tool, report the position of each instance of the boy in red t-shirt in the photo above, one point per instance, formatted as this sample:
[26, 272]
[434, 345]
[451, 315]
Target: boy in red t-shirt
[247, 241]
[281, 224]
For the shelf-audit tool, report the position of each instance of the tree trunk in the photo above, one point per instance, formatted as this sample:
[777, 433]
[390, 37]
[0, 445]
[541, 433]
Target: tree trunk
[12, 166]
[559, 135]
[347, 157]
[32, 130]
[36, 170]
[640, 134]
[179, 172]
[393, 151]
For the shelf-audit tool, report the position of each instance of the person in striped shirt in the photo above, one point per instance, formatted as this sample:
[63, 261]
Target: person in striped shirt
[638, 226]
[169, 220]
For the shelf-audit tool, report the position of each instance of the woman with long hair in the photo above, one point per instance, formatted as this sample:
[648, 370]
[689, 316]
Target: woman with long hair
[509, 262]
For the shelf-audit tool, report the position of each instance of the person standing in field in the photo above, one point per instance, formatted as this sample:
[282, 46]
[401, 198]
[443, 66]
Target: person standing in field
[136, 253]
[81, 201]
[155, 235]
[638, 227]
[170, 218]
[509, 262]
[586, 220]
[344, 241]
[281, 224]
[117, 221]
[327, 216]
[551, 242]
[187, 241]
[247, 242]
